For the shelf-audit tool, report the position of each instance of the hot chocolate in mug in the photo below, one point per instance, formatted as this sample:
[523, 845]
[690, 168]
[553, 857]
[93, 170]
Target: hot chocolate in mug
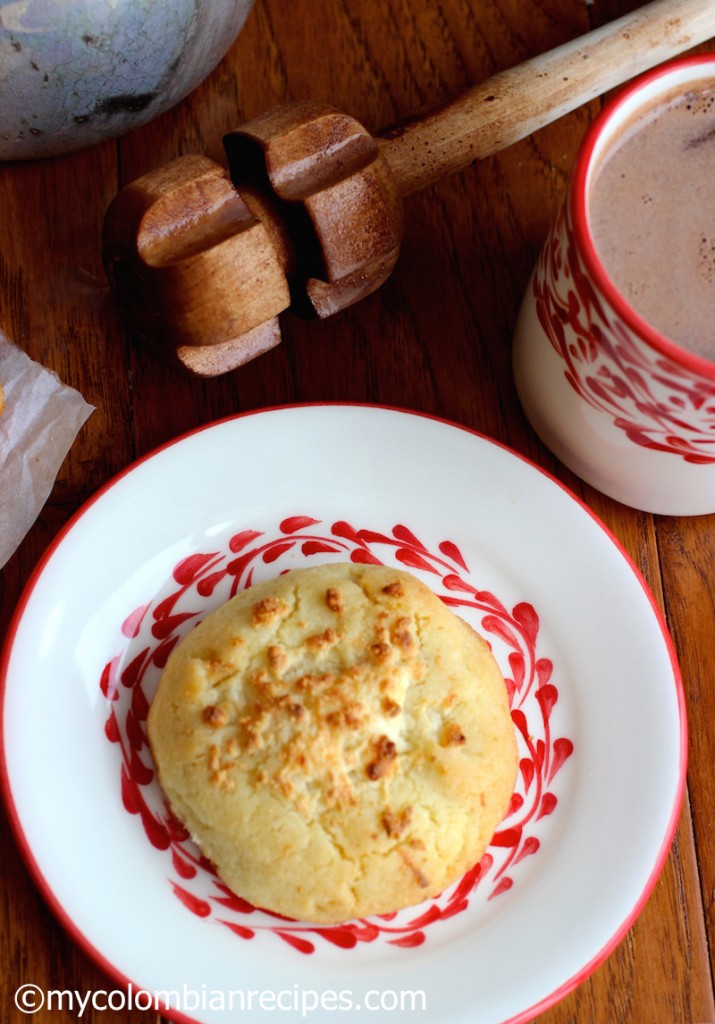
[614, 346]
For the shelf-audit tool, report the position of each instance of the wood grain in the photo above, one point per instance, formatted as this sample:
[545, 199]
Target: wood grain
[436, 338]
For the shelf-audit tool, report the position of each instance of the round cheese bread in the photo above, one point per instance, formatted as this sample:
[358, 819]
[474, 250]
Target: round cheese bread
[337, 741]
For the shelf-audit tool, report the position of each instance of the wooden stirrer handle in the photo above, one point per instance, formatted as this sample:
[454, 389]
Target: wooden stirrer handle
[511, 105]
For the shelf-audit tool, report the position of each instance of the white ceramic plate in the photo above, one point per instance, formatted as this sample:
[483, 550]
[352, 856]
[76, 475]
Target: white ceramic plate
[596, 700]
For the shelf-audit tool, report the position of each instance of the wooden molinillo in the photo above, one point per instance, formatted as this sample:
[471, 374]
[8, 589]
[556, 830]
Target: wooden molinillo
[309, 215]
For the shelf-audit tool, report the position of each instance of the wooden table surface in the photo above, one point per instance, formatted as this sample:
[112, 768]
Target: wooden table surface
[435, 338]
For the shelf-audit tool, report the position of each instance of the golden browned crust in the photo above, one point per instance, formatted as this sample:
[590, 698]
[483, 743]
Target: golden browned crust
[337, 741]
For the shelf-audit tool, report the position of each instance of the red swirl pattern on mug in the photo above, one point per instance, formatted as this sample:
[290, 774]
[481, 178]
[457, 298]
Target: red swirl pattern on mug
[199, 583]
[657, 403]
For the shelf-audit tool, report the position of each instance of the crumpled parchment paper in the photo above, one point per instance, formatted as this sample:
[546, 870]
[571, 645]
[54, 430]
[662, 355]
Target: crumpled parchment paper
[41, 419]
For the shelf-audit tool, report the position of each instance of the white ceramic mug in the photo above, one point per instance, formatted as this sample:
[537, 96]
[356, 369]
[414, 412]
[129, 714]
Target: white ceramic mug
[624, 407]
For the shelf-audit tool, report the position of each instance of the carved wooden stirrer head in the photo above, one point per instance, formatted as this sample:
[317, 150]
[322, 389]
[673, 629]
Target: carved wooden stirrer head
[309, 214]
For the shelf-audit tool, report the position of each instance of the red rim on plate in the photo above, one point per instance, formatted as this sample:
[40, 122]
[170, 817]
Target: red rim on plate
[390, 416]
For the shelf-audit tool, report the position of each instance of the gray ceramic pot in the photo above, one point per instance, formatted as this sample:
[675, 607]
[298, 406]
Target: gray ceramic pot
[75, 72]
